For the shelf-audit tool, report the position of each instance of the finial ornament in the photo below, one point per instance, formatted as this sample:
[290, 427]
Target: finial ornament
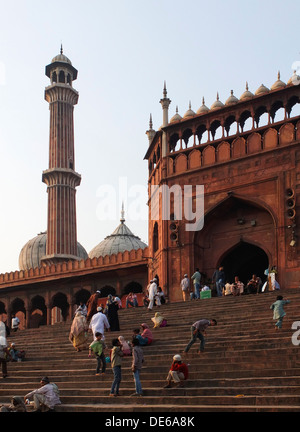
[203, 101]
[165, 90]
[150, 122]
[247, 87]
[122, 213]
[61, 49]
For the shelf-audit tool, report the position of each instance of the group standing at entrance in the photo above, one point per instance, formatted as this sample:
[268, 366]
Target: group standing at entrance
[219, 286]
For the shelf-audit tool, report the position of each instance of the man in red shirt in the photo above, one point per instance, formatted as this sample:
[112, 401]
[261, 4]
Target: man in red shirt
[178, 372]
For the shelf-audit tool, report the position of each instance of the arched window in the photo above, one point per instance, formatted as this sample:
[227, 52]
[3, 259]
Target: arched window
[62, 77]
[54, 77]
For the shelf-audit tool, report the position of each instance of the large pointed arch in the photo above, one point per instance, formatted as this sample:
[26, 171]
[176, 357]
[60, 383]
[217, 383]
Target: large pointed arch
[232, 221]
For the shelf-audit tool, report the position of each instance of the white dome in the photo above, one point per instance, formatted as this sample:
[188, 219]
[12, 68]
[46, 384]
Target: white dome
[33, 251]
[121, 240]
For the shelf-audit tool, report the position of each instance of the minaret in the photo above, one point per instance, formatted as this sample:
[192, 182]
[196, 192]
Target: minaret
[61, 178]
[150, 132]
[165, 103]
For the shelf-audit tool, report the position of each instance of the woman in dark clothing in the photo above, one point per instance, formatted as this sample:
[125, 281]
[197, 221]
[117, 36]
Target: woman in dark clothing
[112, 308]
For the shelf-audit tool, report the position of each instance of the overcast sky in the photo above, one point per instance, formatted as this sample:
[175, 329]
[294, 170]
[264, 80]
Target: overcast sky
[124, 51]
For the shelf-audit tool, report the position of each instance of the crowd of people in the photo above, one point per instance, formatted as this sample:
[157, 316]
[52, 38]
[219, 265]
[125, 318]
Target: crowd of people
[94, 319]
[191, 287]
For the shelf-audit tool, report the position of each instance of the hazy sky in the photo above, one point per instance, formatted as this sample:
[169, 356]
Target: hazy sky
[124, 51]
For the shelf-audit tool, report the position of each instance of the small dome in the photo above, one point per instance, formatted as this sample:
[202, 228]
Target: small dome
[190, 112]
[176, 117]
[295, 79]
[203, 109]
[247, 94]
[61, 58]
[278, 84]
[261, 90]
[121, 240]
[217, 104]
[33, 251]
[232, 100]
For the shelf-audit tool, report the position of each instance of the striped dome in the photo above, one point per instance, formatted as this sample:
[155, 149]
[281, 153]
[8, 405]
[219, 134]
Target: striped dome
[33, 251]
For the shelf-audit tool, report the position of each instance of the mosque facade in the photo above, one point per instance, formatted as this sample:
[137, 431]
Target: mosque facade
[223, 184]
[238, 162]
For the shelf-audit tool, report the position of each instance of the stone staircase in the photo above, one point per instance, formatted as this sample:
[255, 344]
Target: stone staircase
[247, 365]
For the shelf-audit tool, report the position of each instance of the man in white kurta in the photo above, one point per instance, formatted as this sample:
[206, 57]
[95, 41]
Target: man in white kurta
[99, 323]
[153, 294]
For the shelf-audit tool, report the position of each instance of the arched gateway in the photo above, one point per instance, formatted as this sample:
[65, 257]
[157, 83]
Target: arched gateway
[238, 234]
[244, 260]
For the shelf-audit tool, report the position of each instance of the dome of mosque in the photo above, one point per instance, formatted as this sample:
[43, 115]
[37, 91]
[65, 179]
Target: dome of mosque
[232, 100]
[262, 90]
[121, 240]
[217, 104]
[203, 109]
[189, 113]
[247, 94]
[33, 251]
[176, 117]
[278, 84]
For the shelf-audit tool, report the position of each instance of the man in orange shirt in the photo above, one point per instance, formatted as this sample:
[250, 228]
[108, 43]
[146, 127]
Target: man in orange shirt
[178, 372]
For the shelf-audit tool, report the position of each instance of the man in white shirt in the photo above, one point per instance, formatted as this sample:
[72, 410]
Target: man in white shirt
[99, 323]
[15, 323]
[185, 286]
[153, 294]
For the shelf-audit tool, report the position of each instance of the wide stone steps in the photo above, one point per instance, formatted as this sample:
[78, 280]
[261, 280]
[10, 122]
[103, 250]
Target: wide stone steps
[247, 364]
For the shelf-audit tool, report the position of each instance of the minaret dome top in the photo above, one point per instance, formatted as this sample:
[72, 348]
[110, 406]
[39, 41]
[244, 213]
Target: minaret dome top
[61, 61]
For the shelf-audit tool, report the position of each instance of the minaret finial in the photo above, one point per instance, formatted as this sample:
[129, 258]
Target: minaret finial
[61, 48]
[150, 122]
[122, 213]
[203, 101]
[247, 87]
[165, 90]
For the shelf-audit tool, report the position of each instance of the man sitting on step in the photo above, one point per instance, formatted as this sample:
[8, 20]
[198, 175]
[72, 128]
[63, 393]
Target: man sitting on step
[177, 373]
[46, 397]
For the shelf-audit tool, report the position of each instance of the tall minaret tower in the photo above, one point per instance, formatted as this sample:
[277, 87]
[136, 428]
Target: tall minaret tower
[61, 178]
[165, 102]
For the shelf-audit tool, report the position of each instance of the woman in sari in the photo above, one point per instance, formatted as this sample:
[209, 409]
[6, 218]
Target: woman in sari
[78, 333]
[146, 333]
[159, 320]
